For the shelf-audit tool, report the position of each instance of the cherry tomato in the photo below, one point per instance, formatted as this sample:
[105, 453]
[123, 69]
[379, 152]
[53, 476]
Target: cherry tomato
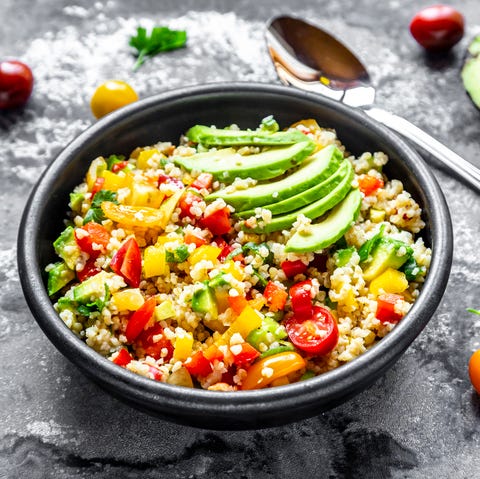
[301, 299]
[139, 319]
[438, 27]
[16, 84]
[474, 370]
[318, 335]
[127, 262]
[110, 96]
[93, 239]
[154, 342]
[88, 270]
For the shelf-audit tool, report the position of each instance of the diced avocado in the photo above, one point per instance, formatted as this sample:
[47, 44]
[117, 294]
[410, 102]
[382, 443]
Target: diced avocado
[306, 197]
[312, 171]
[471, 72]
[321, 235]
[67, 248]
[312, 211]
[226, 137]
[387, 253]
[269, 332]
[92, 288]
[218, 281]
[58, 277]
[76, 200]
[203, 301]
[260, 166]
[178, 255]
[343, 256]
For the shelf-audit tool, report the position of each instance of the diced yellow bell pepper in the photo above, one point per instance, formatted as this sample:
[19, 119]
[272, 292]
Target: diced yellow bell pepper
[97, 167]
[154, 261]
[204, 252]
[248, 320]
[164, 311]
[390, 281]
[144, 156]
[258, 303]
[377, 216]
[221, 298]
[168, 207]
[128, 299]
[144, 194]
[168, 239]
[236, 271]
[140, 216]
[114, 182]
[183, 346]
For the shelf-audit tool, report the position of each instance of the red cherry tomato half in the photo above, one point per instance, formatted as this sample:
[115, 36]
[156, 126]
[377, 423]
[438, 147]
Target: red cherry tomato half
[438, 27]
[139, 319]
[301, 300]
[318, 335]
[127, 262]
[16, 84]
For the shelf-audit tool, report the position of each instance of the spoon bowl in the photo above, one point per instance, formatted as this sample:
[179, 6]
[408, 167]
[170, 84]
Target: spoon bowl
[307, 57]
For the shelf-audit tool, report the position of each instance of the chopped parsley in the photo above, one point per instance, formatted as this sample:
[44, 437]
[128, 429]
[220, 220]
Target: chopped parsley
[95, 212]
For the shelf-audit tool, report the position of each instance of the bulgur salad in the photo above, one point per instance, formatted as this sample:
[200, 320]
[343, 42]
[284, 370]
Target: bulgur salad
[239, 259]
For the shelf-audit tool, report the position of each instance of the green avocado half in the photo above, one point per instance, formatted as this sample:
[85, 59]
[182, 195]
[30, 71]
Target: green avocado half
[471, 71]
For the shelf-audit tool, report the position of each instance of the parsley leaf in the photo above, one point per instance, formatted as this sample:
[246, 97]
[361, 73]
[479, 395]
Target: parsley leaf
[160, 39]
[95, 212]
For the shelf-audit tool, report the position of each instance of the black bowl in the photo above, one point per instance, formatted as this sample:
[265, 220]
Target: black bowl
[166, 117]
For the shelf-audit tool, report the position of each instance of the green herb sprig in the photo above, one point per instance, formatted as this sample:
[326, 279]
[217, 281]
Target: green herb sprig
[160, 39]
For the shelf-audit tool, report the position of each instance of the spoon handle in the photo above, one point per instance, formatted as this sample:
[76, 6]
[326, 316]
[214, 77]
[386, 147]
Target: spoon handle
[449, 159]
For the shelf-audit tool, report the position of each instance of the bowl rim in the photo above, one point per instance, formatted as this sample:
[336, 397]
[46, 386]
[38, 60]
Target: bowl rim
[332, 384]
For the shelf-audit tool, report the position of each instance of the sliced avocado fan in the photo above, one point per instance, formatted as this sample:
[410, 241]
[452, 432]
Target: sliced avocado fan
[471, 71]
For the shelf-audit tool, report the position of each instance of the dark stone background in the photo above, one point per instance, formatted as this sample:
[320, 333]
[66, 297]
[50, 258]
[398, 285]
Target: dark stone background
[419, 420]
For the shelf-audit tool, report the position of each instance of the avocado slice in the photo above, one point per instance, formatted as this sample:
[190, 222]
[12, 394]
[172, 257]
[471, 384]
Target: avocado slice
[92, 288]
[304, 198]
[58, 277]
[67, 248]
[312, 211]
[387, 253]
[321, 235]
[261, 166]
[471, 72]
[312, 171]
[203, 301]
[224, 137]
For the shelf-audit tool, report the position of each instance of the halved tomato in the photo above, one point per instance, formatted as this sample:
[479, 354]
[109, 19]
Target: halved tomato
[318, 335]
[139, 319]
[127, 262]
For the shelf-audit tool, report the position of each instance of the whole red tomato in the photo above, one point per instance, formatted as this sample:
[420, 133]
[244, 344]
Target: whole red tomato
[438, 27]
[16, 84]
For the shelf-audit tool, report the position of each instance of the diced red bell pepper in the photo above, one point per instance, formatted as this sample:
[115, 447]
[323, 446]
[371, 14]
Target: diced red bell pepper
[127, 262]
[154, 343]
[198, 365]
[88, 270]
[123, 357]
[369, 184]
[97, 185]
[218, 222]
[139, 319]
[119, 166]
[96, 235]
[237, 303]
[203, 180]
[247, 354]
[301, 299]
[191, 238]
[276, 296]
[386, 308]
[292, 268]
[187, 201]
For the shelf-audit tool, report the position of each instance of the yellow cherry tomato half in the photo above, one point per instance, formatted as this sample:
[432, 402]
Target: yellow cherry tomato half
[110, 96]
[265, 371]
[474, 370]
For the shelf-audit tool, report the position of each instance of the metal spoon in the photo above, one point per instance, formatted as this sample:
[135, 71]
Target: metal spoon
[311, 59]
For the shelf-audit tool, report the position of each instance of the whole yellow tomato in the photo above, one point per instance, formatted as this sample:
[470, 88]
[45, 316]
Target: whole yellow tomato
[110, 96]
